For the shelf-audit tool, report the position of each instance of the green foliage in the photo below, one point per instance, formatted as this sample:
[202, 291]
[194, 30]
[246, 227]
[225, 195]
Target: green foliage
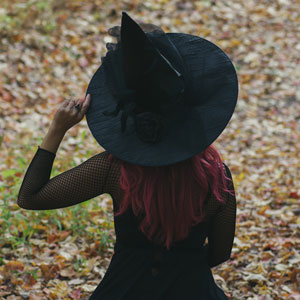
[18, 226]
[23, 15]
[79, 263]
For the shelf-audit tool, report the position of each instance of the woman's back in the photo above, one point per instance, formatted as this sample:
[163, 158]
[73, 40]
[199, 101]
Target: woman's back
[183, 272]
[219, 221]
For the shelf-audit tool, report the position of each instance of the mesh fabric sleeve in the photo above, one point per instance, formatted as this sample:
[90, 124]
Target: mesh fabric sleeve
[222, 228]
[81, 183]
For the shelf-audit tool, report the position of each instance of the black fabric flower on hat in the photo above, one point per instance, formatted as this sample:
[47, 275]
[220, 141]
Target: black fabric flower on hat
[149, 127]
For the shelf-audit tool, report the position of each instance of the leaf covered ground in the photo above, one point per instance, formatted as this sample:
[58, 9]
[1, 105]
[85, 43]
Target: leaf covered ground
[49, 51]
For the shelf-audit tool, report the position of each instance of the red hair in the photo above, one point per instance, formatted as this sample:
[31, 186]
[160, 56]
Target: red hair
[165, 198]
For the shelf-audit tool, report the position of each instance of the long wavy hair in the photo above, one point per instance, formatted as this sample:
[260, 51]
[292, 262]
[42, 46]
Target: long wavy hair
[169, 199]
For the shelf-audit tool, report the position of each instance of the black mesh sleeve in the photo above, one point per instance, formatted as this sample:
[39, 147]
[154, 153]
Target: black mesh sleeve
[81, 183]
[222, 229]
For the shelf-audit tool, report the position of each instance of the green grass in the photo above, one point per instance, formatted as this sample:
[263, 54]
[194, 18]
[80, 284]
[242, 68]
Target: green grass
[21, 14]
[18, 226]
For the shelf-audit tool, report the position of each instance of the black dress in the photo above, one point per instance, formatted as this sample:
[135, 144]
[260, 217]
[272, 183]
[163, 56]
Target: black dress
[139, 269]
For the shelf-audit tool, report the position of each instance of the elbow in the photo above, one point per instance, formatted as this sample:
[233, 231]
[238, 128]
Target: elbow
[23, 203]
[213, 262]
[31, 203]
[20, 201]
[217, 262]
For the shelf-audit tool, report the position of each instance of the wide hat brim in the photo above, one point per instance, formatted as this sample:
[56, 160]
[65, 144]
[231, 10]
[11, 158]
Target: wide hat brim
[190, 129]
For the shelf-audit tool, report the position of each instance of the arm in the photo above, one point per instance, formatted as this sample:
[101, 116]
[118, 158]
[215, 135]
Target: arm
[222, 230]
[76, 185]
[79, 184]
[53, 139]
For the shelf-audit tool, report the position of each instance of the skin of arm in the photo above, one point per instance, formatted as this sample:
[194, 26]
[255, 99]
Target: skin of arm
[53, 139]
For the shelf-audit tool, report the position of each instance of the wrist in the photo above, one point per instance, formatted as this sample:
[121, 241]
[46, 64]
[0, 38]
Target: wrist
[53, 139]
[56, 129]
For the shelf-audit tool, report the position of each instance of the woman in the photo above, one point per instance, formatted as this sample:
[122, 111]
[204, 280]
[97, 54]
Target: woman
[176, 94]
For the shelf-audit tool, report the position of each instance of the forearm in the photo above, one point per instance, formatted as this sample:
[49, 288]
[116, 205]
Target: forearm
[36, 177]
[53, 139]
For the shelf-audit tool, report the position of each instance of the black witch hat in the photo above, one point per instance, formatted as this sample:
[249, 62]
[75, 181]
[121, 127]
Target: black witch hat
[160, 98]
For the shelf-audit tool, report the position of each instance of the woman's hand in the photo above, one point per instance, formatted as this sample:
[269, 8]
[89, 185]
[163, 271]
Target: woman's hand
[68, 115]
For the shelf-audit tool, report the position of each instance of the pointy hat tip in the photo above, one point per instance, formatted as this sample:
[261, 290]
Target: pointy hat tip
[130, 29]
[124, 13]
[126, 20]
